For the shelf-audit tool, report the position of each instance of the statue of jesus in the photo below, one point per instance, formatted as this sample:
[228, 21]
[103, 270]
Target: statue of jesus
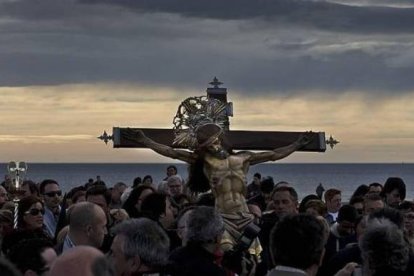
[214, 166]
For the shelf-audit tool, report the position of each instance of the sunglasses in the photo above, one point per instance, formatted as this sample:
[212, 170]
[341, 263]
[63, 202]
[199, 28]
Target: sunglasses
[52, 194]
[35, 211]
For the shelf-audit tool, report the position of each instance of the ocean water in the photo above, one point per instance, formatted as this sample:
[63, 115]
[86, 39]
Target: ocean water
[304, 177]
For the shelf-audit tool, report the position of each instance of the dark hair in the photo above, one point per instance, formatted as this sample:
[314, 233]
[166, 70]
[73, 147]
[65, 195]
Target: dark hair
[75, 197]
[197, 180]
[137, 181]
[99, 190]
[147, 177]
[258, 175]
[361, 190]
[267, 184]
[356, 199]
[291, 191]
[153, 206]
[32, 187]
[24, 205]
[330, 193]
[347, 212]
[207, 199]
[372, 197]
[306, 199]
[392, 214]
[129, 204]
[46, 182]
[393, 183]
[297, 241]
[318, 205]
[27, 254]
[375, 184]
[406, 206]
[172, 167]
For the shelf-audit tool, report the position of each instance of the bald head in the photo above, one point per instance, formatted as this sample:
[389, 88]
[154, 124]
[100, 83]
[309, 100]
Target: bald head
[79, 260]
[87, 224]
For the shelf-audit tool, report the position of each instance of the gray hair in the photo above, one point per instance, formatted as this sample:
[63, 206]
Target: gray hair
[383, 247]
[204, 225]
[174, 179]
[146, 239]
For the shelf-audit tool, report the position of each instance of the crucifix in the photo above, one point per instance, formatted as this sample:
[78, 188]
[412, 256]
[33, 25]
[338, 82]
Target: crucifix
[239, 139]
[201, 127]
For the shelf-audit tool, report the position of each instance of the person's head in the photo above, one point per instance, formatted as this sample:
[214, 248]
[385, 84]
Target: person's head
[87, 224]
[33, 256]
[99, 195]
[3, 196]
[384, 250]
[134, 201]
[361, 190]
[256, 178]
[79, 196]
[147, 180]
[333, 200]
[347, 218]
[206, 199]
[51, 193]
[79, 260]
[285, 200]
[266, 187]
[117, 191]
[204, 226]
[139, 245]
[298, 241]
[171, 170]
[30, 213]
[209, 137]
[375, 188]
[175, 185]
[29, 188]
[157, 207]
[305, 200]
[358, 203]
[316, 207]
[407, 209]
[394, 191]
[136, 182]
[372, 202]
[182, 220]
[392, 214]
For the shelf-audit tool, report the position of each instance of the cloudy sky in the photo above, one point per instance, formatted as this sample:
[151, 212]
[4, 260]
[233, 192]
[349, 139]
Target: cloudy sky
[71, 69]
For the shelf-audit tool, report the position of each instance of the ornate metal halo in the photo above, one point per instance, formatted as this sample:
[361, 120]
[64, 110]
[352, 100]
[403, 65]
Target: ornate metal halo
[194, 112]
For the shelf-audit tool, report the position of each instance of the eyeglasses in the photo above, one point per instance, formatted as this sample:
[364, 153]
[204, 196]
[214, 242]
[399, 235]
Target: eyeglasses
[35, 211]
[52, 194]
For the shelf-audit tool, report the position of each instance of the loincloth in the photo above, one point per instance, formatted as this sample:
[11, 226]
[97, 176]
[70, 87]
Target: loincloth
[234, 224]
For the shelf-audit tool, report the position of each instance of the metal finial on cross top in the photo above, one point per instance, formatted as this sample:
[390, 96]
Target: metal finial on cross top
[216, 83]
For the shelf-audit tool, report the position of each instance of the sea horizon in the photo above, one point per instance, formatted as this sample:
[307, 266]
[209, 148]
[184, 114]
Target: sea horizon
[305, 177]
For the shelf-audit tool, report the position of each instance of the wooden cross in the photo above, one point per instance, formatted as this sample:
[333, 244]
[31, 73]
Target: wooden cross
[238, 139]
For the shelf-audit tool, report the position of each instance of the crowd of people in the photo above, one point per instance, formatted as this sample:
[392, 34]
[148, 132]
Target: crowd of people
[144, 228]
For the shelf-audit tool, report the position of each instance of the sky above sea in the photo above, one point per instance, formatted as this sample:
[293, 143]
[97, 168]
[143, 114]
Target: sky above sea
[71, 69]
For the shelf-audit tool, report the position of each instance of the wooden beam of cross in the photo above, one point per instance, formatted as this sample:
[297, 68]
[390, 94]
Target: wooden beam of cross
[238, 139]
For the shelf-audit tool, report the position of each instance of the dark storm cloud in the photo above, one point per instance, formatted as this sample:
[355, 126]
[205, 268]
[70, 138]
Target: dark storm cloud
[253, 46]
[317, 14]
